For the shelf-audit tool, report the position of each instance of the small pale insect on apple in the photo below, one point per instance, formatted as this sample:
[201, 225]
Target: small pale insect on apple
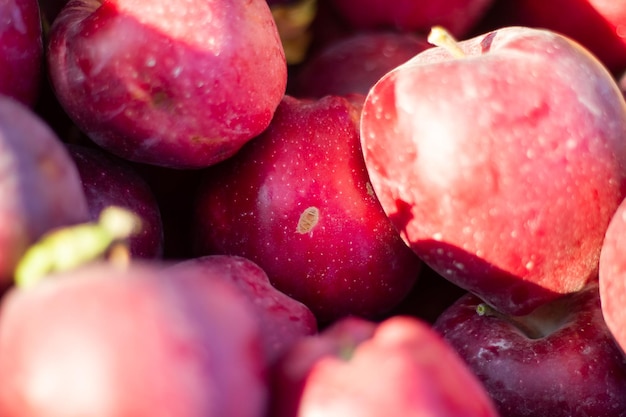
[308, 220]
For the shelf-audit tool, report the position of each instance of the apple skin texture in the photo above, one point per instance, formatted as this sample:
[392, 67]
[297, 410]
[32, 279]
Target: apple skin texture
[399, 367]
[501, 169]
[21, 50]
[40, 187]
[182, 85]
[570, 367]
[141, 341]
[296, 200]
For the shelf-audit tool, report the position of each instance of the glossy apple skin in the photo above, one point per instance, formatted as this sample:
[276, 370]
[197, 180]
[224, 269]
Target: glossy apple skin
[458, 16]
[21, 50]
[344, 259]
[164, 83]
[570, 367]
[108, 341]
[353, 64]
[612, 276]
[501, 169]
[399, 367]
[282, 319]
[596, 24]
[40, 187]
[108, 180]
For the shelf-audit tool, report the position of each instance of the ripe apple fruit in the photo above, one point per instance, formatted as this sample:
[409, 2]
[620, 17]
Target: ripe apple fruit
[136, 341]
[560, 360]
[398, 367]
[282, 319]
[40, 187]
[458, 16]
[21, 50]
[501, 160]
[168, 83]
[111, 181]
[297, 201]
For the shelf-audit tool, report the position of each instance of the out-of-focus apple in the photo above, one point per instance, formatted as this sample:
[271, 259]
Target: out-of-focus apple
[501, 160]
[560, 360]
[178, 84]
[399, 367]
[297, 201]
[21, 50]
[282, 319]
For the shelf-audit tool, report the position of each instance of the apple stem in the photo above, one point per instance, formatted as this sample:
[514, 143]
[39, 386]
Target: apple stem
[531, 332]
[69, 247]
[439, 36]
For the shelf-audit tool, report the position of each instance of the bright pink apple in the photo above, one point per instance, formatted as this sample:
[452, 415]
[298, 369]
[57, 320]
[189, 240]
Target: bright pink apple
[106, 341]
[400, 367]
[40, 187]
[560, 360]
[612, 276]
[501, 160]
[178, 84]
[297, 201]
[282, 319]
[21, 50]
[458, 16]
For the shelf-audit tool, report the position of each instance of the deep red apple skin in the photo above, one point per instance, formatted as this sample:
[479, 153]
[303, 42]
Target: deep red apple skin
[21, 50]
[107, 341]
[501, 169]
[458, 16]
[399, 367]
[573, 369]
[296, 201]
[612, 276]
[158, 82]
[282, 319]
[40, 187]
[596, 24]
[108, 180]
[353, 64]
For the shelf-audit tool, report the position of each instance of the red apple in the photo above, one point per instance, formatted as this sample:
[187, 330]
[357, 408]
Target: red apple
[458, 16]
[137, 341]
[560, 360]
[168, 83]
[40, 188]
[400, 367]
[501, 160]
[612, 276]
[297, 201]
[282, 319]
[21, 50]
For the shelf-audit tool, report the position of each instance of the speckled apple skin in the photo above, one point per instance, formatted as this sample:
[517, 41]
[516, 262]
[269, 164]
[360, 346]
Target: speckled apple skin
[176, 84]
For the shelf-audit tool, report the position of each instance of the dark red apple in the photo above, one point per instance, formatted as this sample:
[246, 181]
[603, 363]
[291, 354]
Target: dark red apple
[40, 188]
[560, 360]
[297, 201]
[137, 341]
[182, 85]
[282, 319]
[400, 367]
[501, 160]
[21, 50]
[111, 181]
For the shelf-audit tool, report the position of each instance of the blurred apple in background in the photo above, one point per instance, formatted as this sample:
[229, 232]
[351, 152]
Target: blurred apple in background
[501, 160]
[560, 360]
[167, 83]
[297, 201]
[21, 50]
[399, 367]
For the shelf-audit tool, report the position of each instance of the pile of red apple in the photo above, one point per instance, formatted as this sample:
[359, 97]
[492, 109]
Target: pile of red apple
[281, 208]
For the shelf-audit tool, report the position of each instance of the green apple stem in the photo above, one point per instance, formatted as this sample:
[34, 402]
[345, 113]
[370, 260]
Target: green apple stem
[439, 36]
[67, 248]
[526, 328]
